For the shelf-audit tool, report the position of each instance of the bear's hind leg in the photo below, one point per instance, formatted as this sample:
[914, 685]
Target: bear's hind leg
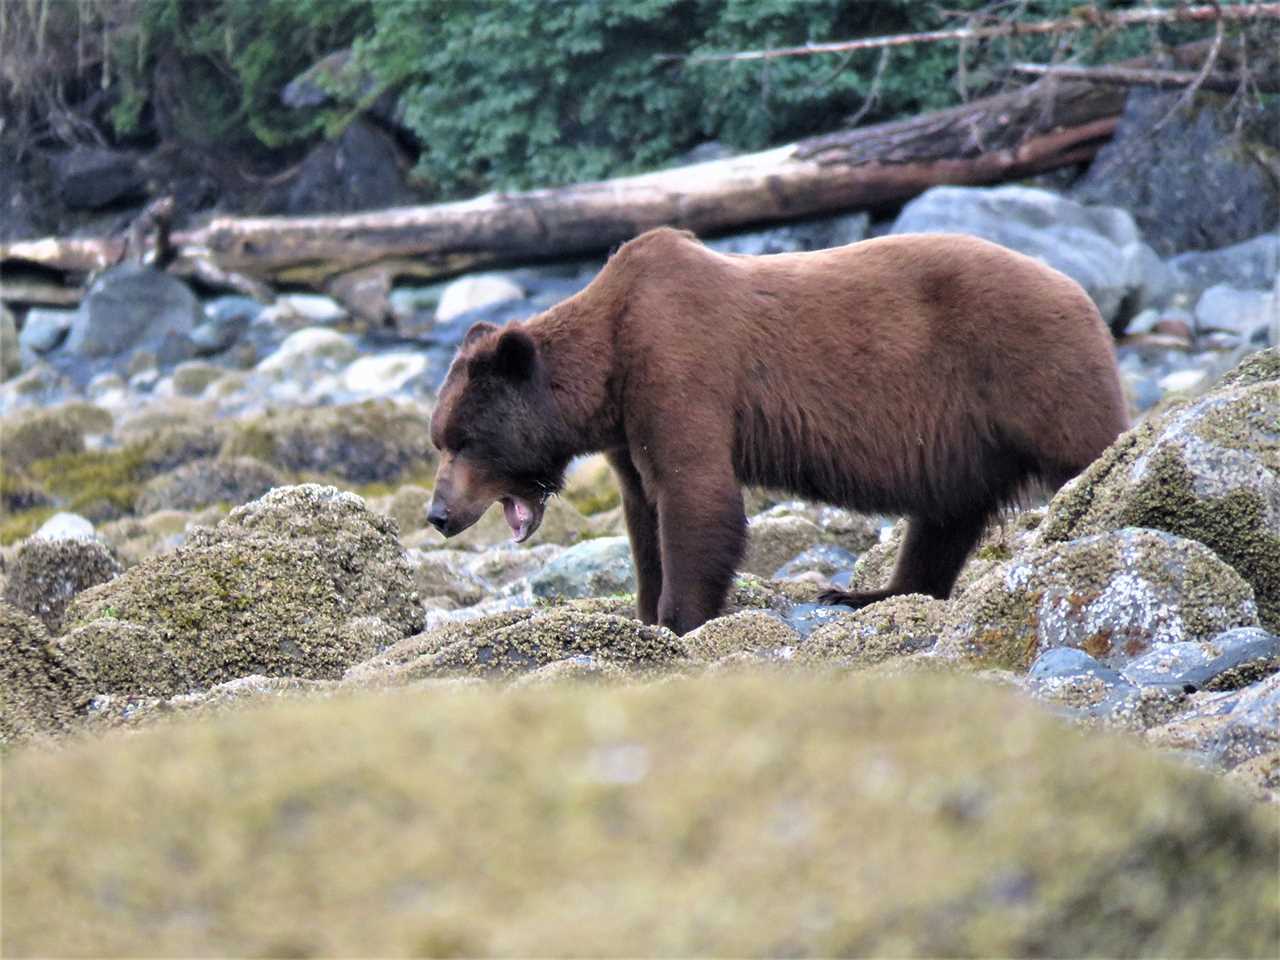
[931, 557]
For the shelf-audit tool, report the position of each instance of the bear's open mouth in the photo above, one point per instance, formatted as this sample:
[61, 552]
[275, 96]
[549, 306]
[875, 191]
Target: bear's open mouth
[523, 516]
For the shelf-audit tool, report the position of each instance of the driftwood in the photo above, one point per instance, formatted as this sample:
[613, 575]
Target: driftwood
[1040, 127]
[356, 257]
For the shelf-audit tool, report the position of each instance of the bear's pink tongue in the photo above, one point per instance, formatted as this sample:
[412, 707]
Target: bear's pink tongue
[520, 518]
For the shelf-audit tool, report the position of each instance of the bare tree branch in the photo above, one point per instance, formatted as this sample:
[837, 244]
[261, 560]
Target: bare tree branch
[1091, 18]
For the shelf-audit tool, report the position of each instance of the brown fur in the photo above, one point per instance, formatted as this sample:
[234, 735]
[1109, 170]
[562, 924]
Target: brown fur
[926, 375]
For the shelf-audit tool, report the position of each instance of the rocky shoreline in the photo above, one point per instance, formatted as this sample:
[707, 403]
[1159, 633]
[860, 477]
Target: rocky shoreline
[214, 545]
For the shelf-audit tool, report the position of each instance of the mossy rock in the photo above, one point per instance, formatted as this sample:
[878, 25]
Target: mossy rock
[372, 442]
[748, 631]
[18, 492]
[396, 662]
[218, 611]
[174, 446]
[898, 626]
[100, 485]
[559, 634]
[127, 658]
[1112, 595]
[40, 691]
[1208, 470]
[269, 591]
[854, 532]
[408, 507]
[733, 815]
[40, 435]
[1260, 367]
[749, 592]
[45, 574]
[359, 548]
[200, 483]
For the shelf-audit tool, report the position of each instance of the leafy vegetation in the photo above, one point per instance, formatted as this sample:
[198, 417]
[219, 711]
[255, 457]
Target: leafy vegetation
[501, 94]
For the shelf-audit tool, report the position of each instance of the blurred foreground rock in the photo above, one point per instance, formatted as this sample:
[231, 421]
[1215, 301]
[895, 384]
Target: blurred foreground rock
[724, 816]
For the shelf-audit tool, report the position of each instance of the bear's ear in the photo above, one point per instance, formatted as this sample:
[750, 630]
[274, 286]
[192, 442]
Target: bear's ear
[478, 329]
[516, 355]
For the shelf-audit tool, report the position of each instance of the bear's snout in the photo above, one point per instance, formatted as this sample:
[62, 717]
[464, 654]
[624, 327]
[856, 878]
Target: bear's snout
[438, 516]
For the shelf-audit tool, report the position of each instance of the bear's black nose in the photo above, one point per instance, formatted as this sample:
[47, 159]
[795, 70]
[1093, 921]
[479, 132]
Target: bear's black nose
[438, 517]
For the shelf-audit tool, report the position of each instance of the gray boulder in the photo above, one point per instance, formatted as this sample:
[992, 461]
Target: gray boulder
[1208, 470]
[43, 330]
[799, 237]
[1115, 595]
[1231, 659]
[1190, 177]
[226, 320]
[1098, 247]
[1242, 313]
[131, 308]
[589, 569]
[1250, 265]
[93, 177]
[362, 170]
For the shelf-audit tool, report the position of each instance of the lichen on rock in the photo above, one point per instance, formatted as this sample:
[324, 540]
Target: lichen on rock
[370, 442]
[40, 691]
[201, 483]
[898, 626]
[1208, 470]
[271, 590]
[1112, 595]
[45, 574]
[557, 635]
[747, 631]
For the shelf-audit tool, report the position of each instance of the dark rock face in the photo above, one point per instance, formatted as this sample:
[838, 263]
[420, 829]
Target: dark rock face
[90, 178]
[131, 308]
[1195, 183]
[361, 170]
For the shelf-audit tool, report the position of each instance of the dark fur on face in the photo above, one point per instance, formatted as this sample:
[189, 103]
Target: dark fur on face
[496, 427]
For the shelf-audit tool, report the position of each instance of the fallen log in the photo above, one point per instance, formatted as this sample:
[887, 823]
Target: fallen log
[1043, 126]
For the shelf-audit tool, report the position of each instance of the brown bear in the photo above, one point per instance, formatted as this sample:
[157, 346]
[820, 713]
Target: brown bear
[934, 376]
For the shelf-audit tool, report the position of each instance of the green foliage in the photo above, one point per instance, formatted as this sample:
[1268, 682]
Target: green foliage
[508, 96]
[216, 67]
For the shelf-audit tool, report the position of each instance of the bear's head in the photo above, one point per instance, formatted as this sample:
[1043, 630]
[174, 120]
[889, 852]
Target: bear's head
[496, 428]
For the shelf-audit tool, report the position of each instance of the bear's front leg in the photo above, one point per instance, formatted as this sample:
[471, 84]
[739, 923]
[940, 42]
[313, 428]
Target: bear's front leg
[642, 529]
[703, 531]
